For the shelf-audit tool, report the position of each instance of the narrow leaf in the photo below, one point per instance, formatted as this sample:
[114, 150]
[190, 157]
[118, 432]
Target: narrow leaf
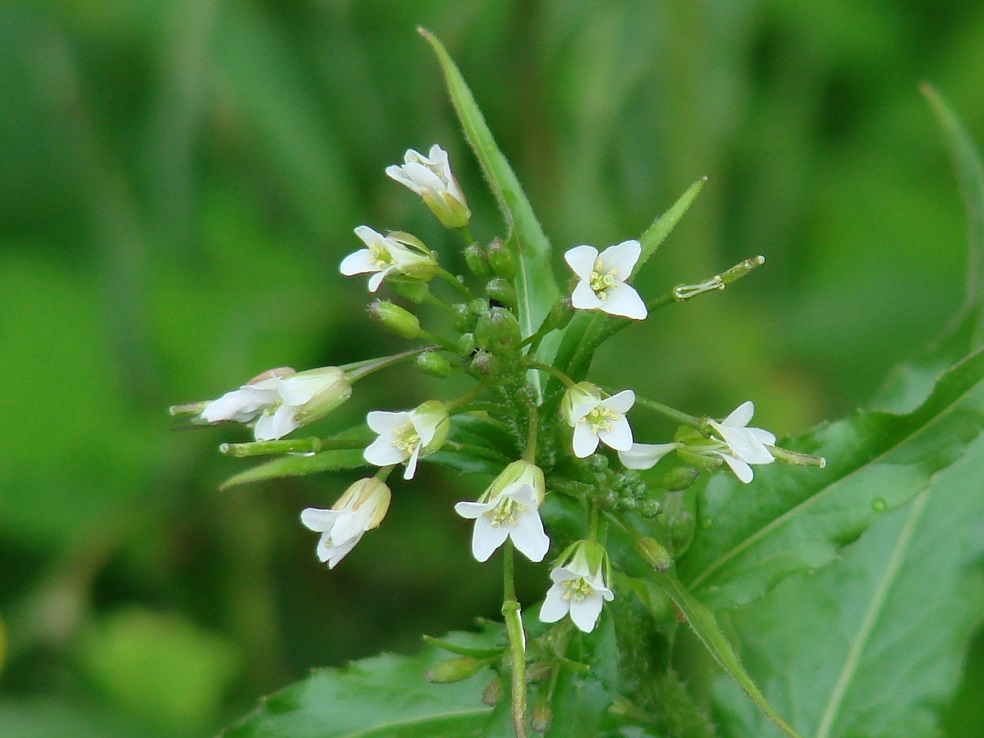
[295, 466]
[872, 645]
[909, 383]
[705, 626]
[536, 289]
[790, 519]
[386, 696]
[664, 224]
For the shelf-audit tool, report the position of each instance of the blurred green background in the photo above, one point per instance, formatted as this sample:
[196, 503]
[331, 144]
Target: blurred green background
[181, 177]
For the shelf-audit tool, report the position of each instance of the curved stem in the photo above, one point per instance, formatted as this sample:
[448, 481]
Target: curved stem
[456, 283]
[360, 369]
[568, 382]
[671, 413]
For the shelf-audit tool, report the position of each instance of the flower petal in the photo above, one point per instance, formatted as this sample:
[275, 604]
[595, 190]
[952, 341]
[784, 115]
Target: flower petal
[645, 455]
[486, 538]
[585, 612]
[472, 510]
[318, 519]
[619, 437]
[382, 421]
[358, 262]
[742, 470]
[554, 606]
[382, 452]
[584, 298]
[581, 260]
[622, 258]
[585, 442]
[621, 402]
[623, 300]
[529, 537]
[740, 416]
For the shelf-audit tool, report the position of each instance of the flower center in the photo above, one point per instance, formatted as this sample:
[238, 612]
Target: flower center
[577, 590]
[506, 512]
[380, 256]
[406, 439]
[602, 281]
[600, 419]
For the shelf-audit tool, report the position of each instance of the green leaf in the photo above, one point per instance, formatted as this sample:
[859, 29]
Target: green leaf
[791, 518]
[705, 626]
[664, 224]
[872, 644]
[386, 696]
[536, 289]
[296, 466]
[909, 383]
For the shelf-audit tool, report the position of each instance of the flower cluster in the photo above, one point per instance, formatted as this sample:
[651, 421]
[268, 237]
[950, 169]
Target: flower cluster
[555, 437]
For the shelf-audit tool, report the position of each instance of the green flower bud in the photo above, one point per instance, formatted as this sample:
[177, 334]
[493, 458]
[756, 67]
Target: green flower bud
[477, 261]
[434, 364]
[462, 318]
[493, 692]
[654, 554]
[466, 344]
[501, 260]
[395, 319]
[518, 472]
[498, 330]
[434, 413]
[412, 290]
[478, 307]
[454, 670]
[484, 365]
[560, 314]
[501, 291]
[682, 477]
[541, 716]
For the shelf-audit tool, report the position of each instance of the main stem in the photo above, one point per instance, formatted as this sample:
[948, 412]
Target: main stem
[517, 642]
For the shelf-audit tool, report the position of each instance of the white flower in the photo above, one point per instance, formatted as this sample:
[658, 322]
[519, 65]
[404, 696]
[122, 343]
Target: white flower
[595, 419]
[361, 508]
[281, 400]
[602, 279]
[580, 587]
[645, 455]
[509, 508]
[405, 436]
[430, 177]
[383, 255]
[744, 446]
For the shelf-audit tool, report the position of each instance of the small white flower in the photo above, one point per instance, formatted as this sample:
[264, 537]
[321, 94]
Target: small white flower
[431, 178]
[579, 587]
[595, 419]
[405, 436]
[744, 445]
[360, 509]
[602, 279]
[383, 255]
[645, 455]
[509, 508]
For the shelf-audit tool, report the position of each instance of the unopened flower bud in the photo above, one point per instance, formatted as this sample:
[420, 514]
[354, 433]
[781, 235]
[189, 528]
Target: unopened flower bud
[654, 554]
[501, 260]
[560, 314]
[541, 716]
[477, 261]
[431, 178]
[493, 692]
[479, 307]
[434, 364]
[501, 291]
[498, 330]
[395, 319]
[466, 344]
[485, 365]
[462, 318]
[682, 477]
[454, 670]
[412, 290]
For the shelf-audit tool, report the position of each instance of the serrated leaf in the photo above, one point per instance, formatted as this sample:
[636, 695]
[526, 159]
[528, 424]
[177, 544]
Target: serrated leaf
[872, 644]
[536, 289]
[296, 466]
[789, 519]
[909, 383]
[706, 628]
[386, 696]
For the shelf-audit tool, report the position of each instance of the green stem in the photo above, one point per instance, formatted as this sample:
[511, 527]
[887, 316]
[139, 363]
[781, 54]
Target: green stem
[517, 641]
[359, 369]
[568, 382]
[290, 446]
[671, 413]
[466, 234]
[442, 342]
[456, 283]
[431, 299]
[456, 406]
